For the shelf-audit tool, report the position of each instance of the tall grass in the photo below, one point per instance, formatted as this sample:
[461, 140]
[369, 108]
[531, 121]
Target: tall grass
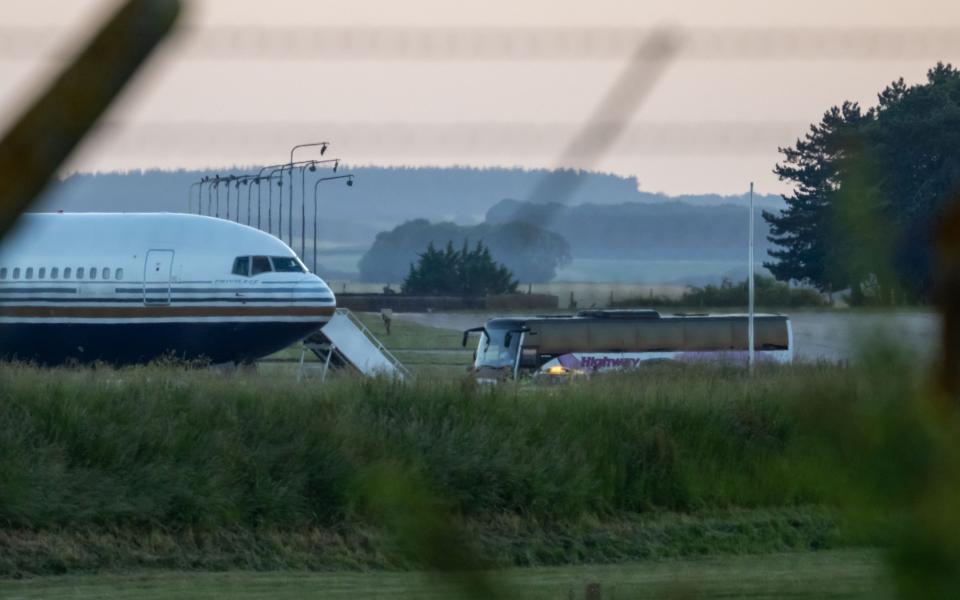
[162, 446]
[595, 470]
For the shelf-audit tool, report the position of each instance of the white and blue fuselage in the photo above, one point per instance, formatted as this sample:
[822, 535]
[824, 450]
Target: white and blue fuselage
[133, 287]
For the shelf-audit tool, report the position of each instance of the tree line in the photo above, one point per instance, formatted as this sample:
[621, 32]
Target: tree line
[869, 185]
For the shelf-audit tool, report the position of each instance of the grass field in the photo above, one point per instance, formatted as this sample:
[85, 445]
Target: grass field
[834, 574]
[160, 468]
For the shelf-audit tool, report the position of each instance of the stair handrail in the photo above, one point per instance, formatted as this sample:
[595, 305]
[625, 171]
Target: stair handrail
[383, 349]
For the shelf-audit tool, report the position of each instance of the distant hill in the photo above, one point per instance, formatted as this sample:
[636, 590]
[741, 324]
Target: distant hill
[607, 215]
[661, 231]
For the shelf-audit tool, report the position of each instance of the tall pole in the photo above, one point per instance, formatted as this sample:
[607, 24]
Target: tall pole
[190, 195]
[316, 186]
[270, 205]
[303, 213]
[323, 149]
[750, 341]
[200, 195]
[259, 212]
[249, 194]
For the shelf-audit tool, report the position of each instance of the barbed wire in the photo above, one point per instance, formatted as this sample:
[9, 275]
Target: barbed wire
[535, 44]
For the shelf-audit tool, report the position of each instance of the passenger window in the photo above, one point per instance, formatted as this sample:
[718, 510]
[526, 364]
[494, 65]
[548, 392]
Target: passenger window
[66, 273]
[16, 272]
[41, 273]
[93, 272]
[118, 274]
[79, 272]
[105, 274]
[3, 273]
[29, 274]
[260, 264]
[54, 271]
[241, 266]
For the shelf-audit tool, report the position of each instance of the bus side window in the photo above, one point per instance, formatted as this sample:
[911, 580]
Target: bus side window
[260, 264]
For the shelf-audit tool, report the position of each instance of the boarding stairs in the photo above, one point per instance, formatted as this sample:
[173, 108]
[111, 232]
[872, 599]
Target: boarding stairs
[345, 342]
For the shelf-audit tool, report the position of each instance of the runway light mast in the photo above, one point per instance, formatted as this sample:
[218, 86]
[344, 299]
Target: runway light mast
[750, 342]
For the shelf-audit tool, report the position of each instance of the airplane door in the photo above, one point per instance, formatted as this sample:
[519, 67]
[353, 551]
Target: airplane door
[156, 277]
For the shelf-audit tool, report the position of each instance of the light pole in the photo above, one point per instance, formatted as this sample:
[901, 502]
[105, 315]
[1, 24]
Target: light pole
[205, 181]
[323, 150]
[751, 358]
[316, 186]
[303, 203]
[227, 181]
[210, 197]
[190, 195]
[303, 164]
[258, 179]
[269, 177]
[253, 180]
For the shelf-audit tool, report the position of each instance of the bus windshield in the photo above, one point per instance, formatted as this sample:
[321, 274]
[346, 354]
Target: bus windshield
[491, 351]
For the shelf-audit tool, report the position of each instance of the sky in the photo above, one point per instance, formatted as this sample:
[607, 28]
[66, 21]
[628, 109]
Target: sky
[491, 83]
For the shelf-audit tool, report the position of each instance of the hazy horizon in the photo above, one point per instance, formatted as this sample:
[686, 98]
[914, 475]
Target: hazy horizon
[243, 81]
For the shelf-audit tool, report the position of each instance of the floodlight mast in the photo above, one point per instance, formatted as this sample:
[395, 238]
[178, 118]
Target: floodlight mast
[750, 290]
[323, 149]
[312, 166]
[316, 186]
[190, 195]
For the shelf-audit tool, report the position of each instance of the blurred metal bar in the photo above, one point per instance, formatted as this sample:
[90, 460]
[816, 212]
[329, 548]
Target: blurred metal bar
[472, 138]
[48, 131]
[606, 124]
[534, 44]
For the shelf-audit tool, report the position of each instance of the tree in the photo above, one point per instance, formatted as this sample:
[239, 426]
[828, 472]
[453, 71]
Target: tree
[869, 187]
[531, 253]
[461, 273]
[804, 230]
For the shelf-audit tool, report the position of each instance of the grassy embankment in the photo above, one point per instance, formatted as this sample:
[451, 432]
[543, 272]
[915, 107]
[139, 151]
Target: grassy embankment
[162, 467]
[823, 574]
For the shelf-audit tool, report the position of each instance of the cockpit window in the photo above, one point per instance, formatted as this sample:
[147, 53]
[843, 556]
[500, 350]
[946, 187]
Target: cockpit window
[241, 266]
[259, 264]
[287, 264]
[246, 266]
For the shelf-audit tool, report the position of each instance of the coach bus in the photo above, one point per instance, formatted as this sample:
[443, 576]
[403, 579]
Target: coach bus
[594, 341]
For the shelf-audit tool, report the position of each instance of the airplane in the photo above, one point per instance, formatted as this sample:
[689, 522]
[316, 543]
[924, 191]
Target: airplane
[127, 288]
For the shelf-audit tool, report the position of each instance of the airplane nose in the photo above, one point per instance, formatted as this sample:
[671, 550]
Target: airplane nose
[314, 290]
